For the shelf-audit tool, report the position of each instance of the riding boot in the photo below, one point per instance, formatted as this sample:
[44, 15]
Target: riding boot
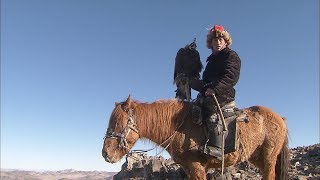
[213, 145]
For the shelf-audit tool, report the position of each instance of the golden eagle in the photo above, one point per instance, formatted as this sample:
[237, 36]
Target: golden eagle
[187, 67]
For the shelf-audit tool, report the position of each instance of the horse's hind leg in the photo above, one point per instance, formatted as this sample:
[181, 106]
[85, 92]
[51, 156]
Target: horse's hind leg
[270, 158]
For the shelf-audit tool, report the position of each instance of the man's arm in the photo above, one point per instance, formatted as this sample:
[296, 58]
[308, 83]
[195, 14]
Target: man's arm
[196, 84]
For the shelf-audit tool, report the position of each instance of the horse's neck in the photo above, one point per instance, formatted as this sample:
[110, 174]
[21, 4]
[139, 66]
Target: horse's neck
[155, 123]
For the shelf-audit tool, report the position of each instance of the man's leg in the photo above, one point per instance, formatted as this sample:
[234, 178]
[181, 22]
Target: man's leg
[214, 128]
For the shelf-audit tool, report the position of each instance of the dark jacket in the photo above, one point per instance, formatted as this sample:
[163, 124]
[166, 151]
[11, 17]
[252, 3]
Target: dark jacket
[221, 74]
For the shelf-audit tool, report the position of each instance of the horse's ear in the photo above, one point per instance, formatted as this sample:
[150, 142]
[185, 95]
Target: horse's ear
[128, 101]
[116, 104]
[128, 98]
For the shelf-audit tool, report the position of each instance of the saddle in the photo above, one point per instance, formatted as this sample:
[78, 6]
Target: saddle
[231, 115]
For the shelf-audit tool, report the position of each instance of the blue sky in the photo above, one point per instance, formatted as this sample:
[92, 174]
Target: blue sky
[65, 63]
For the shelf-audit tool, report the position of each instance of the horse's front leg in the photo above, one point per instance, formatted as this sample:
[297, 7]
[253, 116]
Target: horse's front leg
[195, 171]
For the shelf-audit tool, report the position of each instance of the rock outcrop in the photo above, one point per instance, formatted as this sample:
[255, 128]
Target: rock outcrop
[142, 166]
[304, 164]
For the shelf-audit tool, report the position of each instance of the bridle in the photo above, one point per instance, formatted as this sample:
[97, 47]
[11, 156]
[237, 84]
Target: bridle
[131, 125]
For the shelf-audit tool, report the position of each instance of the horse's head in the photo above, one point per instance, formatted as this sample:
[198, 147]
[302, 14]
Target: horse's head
[122, 133]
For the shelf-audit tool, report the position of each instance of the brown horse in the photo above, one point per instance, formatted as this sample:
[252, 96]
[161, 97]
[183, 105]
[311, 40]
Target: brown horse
[262, 140]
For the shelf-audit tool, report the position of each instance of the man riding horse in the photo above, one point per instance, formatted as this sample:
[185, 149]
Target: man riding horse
[219, 78]
[169, 124]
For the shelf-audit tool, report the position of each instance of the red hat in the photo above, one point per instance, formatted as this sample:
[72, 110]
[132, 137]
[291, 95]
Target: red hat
[217, 27]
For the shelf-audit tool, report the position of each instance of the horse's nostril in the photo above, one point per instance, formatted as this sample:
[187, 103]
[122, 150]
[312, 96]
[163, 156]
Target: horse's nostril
[104, 154]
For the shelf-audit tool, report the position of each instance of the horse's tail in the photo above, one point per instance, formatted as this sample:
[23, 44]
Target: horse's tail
[282, 164]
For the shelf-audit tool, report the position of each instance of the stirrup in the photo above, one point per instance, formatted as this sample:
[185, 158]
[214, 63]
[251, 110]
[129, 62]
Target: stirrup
[212, 151]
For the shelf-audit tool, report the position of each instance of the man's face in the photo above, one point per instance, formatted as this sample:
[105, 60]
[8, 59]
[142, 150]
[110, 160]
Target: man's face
[218, 44]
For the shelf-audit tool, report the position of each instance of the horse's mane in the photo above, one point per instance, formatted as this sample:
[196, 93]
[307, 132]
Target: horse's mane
[164, 114]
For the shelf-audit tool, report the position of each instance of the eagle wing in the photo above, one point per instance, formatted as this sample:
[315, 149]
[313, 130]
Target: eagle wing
[187, 67]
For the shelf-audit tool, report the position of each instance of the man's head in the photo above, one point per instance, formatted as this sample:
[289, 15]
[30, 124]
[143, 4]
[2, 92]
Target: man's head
[218, 38]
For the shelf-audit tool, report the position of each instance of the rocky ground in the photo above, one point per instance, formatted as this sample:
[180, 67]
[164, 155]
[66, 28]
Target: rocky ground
[304, 164]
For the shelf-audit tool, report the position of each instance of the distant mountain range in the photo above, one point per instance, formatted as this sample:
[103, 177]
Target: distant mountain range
[68, 174]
